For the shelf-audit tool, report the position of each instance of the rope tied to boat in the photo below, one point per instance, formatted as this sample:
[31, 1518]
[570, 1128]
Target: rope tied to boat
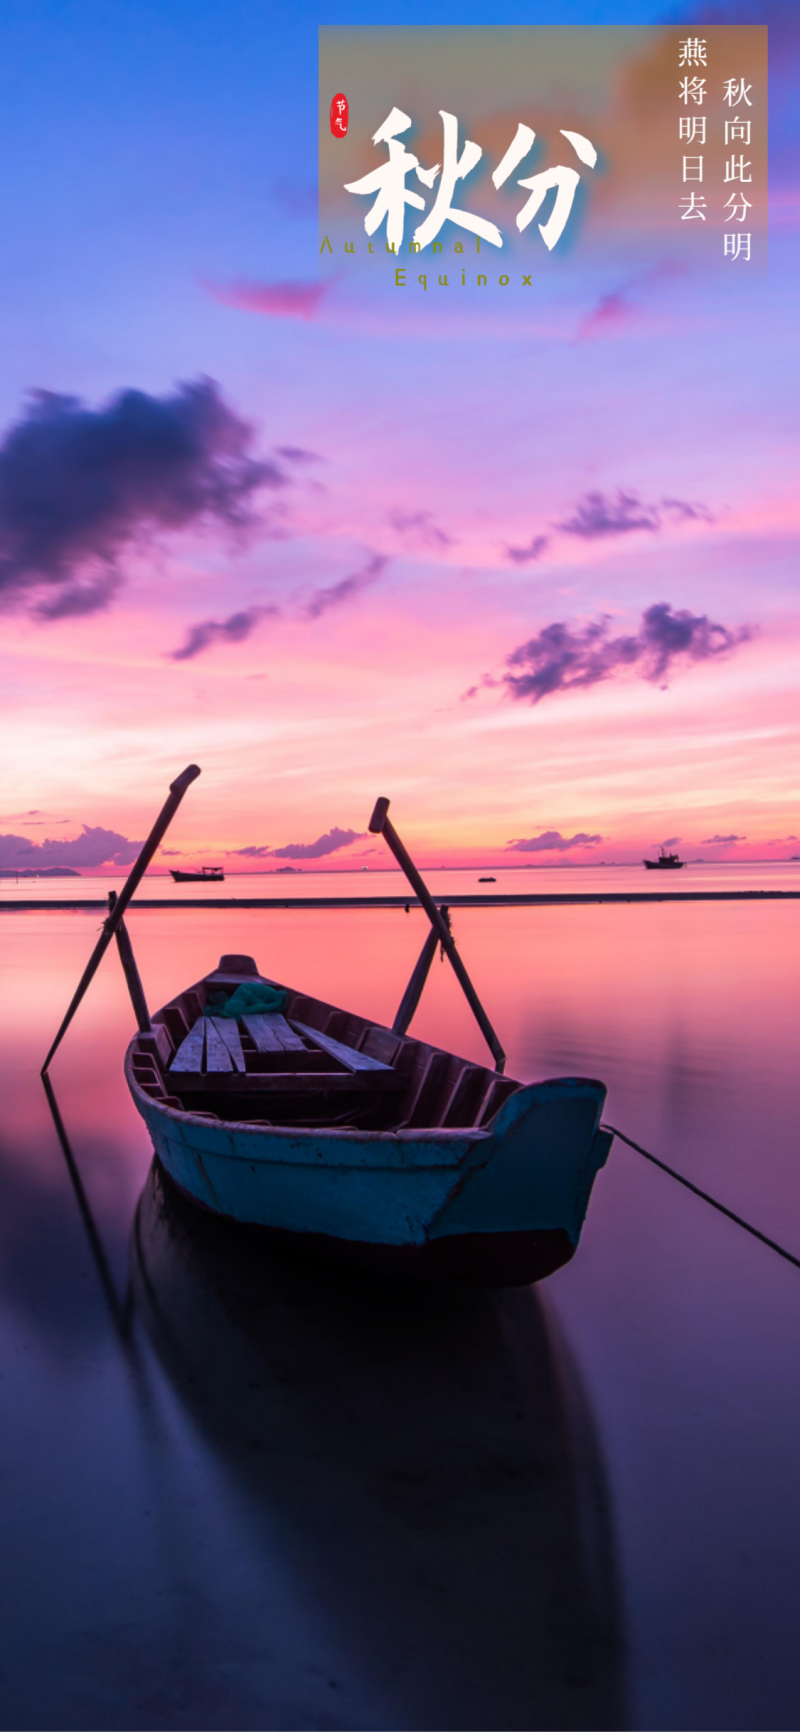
[780, 1250]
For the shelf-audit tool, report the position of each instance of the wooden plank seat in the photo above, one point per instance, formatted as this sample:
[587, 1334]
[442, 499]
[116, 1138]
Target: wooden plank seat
[218, 1057]
[347, 1055]
[270, 1032]
[295, 1082]
[212, 1057]
[217, 1039]
[227, 1032]
[189, 1056]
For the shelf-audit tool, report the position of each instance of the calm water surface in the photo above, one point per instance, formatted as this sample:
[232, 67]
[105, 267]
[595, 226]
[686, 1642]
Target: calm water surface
[445, 881]
[241, 1494]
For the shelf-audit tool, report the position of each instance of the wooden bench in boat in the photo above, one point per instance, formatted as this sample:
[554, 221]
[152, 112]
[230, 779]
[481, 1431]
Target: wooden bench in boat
[317, 1050]
[347, 1055]
[212, 1055]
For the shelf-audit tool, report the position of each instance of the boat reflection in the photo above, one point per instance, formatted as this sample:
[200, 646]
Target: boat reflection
[421, 1457]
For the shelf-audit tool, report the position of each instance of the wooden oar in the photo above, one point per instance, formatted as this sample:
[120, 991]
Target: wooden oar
[380, 824]
[177, 790]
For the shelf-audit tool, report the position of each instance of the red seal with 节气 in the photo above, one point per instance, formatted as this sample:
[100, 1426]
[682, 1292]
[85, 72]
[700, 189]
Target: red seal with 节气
[340, 113]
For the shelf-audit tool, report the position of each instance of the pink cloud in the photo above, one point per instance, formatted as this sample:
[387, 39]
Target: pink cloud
[612, 311]
[277, 300]
[615, 309]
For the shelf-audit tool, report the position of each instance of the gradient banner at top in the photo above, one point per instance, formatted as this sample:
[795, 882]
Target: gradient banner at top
[484, 153]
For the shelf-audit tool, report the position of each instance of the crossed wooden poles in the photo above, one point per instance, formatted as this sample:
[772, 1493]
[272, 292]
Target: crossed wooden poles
[113, 925]
[379, 824]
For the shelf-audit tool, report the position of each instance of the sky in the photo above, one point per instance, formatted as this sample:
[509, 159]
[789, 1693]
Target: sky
[527, 567]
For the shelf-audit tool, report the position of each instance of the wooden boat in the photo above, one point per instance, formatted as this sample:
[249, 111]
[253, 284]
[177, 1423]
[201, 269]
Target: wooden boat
[206, 875]
[665, 863]
[335, 1135]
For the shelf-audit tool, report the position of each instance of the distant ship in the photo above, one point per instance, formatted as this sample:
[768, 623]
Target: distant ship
[206, 875]
[487, 880]
[665, 863]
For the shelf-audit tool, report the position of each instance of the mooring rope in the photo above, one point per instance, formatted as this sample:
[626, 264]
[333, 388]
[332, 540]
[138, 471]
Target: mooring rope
[747, 1225]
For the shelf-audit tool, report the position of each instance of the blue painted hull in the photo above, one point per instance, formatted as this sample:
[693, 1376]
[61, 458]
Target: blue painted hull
[446, 1197]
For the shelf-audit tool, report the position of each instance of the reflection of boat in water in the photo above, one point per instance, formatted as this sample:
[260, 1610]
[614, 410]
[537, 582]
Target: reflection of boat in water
[351, 1140]
[205, 875]
[665, 863]
[415, 1464]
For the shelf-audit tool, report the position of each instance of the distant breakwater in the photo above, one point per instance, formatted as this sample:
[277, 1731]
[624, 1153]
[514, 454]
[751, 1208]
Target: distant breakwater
[568, 900]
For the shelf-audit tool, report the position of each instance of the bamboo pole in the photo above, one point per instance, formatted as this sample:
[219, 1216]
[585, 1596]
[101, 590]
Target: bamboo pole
[381, 824]
[131, 971]
[177, 790]
[413, 992]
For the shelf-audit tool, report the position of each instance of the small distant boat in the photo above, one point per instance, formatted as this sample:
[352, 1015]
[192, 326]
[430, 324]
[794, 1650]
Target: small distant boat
[487, 880]
[206, 875]
[665, 863]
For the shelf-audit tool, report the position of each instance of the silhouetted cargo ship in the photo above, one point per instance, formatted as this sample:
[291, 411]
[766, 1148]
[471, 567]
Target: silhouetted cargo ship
[206, 875]
[665, 863]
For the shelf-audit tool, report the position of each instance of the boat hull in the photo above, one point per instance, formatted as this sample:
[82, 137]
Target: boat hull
[514, 1259]
[502, 1206]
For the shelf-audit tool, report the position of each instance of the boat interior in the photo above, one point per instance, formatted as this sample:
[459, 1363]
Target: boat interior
[309, 1065]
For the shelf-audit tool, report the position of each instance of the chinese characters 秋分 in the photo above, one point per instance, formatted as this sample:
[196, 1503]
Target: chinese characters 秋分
[388, 182]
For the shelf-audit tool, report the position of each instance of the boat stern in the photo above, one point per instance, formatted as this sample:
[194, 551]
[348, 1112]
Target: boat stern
[536, 1171]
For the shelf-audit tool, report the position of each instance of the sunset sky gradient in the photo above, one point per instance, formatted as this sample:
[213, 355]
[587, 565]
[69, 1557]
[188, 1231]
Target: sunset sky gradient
[322, 575]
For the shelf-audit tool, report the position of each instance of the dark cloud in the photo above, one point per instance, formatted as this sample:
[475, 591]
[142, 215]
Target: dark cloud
[419, 528]
[534, 550]
[170, 850]
[297, 454]
[94, 847]
[336, 593]
[80, 486]
[81, 598]
[563, 657]
[595, 515]
[686, 510]
[277, 300]
[670, 841]
[327, 844]
[718, 841]
[551, 840]
[487, 682]
[208, 632]
[665, 635]
[31, 819]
